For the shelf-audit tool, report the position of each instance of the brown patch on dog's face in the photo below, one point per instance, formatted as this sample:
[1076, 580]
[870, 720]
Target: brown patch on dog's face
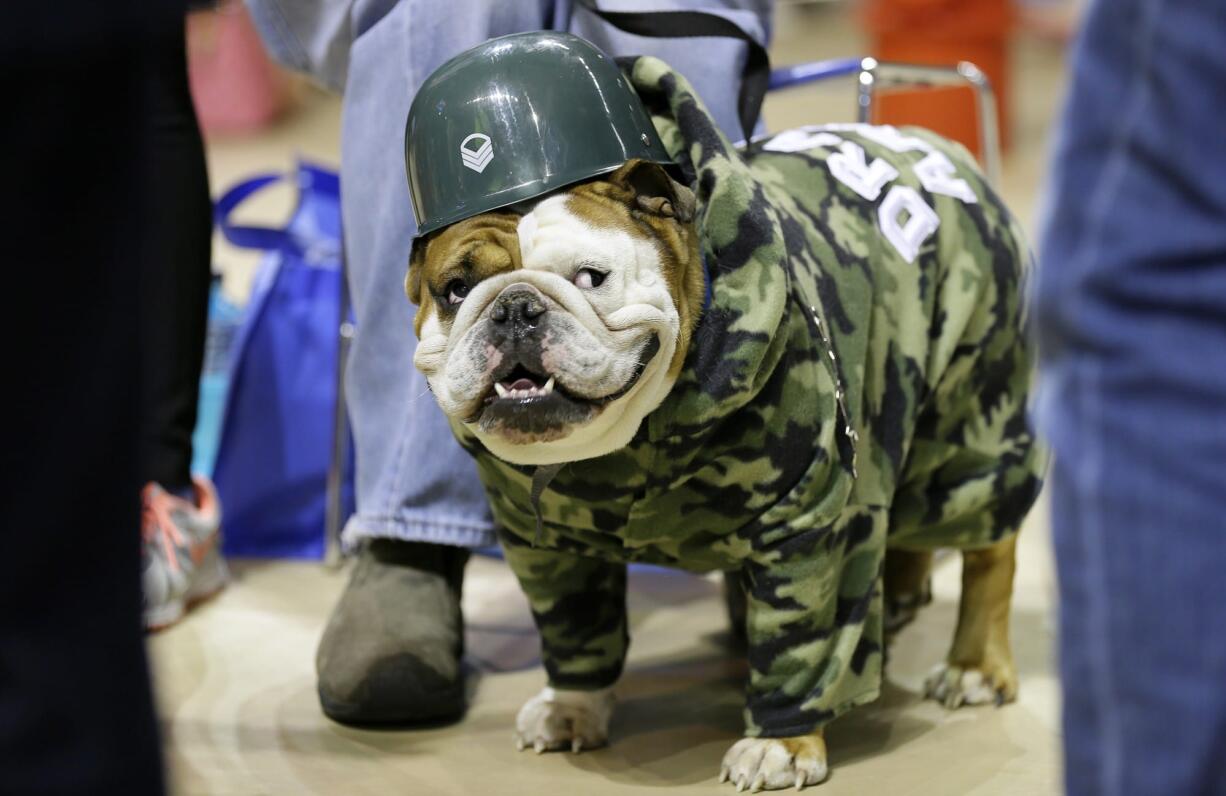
[455, 259]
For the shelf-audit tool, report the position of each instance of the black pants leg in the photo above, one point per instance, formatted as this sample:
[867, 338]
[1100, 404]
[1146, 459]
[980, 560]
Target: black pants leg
[175, 291]
[76, 715]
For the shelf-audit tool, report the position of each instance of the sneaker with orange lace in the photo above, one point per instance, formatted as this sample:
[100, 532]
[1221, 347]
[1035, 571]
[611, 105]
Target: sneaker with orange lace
[181, 556]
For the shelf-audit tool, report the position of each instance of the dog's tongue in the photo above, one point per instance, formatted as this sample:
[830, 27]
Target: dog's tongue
[523, 384]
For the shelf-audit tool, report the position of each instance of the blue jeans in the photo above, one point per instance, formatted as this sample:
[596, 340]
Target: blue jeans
[414, 482]
[1131, 313]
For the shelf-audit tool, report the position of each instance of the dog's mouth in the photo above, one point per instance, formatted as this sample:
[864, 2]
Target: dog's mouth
[521, 384]
[531, 405]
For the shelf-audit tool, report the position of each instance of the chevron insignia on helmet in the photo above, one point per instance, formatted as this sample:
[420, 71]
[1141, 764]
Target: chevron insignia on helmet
[477, 159]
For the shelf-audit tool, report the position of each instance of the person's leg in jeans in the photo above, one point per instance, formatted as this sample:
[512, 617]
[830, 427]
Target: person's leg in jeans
[391, 650]
[181, 517]
[76, 714]
[1131, 311]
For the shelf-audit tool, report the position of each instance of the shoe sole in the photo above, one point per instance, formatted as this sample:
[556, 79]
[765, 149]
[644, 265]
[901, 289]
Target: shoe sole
[212, 580]
[447, 706]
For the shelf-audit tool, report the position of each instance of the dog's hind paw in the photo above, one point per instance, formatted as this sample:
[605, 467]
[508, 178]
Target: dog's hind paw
[558, 719]
[775, 763]
[955, 686]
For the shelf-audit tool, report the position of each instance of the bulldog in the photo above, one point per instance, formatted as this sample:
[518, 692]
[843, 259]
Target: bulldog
[774, 363]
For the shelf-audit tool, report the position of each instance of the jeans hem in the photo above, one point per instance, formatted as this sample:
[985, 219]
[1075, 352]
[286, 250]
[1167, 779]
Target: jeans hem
[410, 529]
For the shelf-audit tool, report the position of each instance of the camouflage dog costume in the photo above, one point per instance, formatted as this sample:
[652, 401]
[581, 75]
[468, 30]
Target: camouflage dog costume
[859, 379]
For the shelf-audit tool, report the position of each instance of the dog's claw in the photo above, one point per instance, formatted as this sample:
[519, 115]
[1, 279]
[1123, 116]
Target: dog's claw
[740, 784]
[576, 746]
[954, 686]
[539, 746]
[758, 782]
[519, 743]
[723, 774]
[800, 780]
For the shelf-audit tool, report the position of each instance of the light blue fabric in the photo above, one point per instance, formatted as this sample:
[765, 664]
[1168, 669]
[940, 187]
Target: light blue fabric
[413, 480]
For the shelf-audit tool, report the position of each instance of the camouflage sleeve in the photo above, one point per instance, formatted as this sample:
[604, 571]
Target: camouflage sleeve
[579, 605]
[814, 625]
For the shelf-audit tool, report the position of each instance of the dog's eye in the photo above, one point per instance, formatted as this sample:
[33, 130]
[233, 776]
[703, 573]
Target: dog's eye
[456, 291]
[588, 278]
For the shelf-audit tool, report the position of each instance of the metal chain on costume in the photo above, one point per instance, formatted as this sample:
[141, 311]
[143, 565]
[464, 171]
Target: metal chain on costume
[839, 393]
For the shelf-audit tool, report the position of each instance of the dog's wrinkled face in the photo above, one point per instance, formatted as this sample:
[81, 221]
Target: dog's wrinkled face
[553, 332]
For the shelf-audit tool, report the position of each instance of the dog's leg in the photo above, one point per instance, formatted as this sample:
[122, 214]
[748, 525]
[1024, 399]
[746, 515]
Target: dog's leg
[775, 763]
[558, 718]
[814, 631]
[980, 669]
[908, 587]
[579, 605]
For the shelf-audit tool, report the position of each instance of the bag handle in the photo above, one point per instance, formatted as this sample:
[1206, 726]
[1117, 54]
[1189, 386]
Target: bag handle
[243, 236]
[755, 78]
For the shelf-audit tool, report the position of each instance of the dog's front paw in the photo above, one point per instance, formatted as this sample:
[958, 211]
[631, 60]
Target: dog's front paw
[775, 763]
[561, 719]
[955, 686]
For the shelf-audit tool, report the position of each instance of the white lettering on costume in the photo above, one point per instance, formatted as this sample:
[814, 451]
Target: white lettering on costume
[903, 217]
[801, 139]
[887, 135]
[849, 167]
[906, 236]
[936, 174]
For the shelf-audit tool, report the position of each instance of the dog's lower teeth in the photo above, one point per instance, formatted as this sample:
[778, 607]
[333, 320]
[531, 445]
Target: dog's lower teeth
[527, 392]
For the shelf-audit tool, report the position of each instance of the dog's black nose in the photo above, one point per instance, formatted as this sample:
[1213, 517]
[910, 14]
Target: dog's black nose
[518, 307]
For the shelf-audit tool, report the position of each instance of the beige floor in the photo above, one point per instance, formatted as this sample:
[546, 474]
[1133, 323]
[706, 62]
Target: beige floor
[235, 681]
[236, 688]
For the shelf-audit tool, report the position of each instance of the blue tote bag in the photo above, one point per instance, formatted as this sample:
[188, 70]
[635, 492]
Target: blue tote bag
[277, 434]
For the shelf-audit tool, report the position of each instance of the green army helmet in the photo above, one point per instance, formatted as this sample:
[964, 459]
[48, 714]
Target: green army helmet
[515, 118]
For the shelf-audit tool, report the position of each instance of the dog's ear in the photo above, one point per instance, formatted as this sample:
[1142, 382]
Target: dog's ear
[412, 280]
[655, 191]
